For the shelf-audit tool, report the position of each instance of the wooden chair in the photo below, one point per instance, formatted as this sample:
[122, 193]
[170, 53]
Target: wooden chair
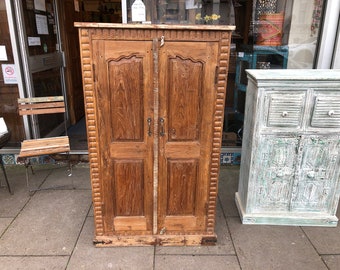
[43, 146]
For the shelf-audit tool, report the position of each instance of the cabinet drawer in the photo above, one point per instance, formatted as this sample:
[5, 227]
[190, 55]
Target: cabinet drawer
[326, 111]
[285, 110]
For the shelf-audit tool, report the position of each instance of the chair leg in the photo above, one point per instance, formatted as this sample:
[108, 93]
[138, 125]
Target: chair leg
[28, 164]
[70, 169]
[6, 179]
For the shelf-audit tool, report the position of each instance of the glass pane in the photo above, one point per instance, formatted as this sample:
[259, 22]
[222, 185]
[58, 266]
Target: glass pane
[41, 28]
[270, 34]
[186, 12]
[48, 83]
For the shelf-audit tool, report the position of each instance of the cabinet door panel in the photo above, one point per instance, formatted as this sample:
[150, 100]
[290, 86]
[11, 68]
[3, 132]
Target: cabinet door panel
[124, 95]
[276, 161]
[184, 106]
[318, 174]
[187, 92]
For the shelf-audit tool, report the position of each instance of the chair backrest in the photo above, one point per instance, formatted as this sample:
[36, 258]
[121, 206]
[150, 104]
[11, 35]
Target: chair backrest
[41, 105]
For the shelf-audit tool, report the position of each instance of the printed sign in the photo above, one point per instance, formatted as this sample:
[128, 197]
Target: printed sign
[9, 74]
[138, 11]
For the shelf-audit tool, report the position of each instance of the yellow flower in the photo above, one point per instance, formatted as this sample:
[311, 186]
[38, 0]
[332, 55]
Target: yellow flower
[198, 16]
[215, 17]
[207, 18]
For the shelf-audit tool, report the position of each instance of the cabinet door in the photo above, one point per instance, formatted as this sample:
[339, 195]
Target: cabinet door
[318, 177]
[124, 97]
[275, 161]
[187, 94]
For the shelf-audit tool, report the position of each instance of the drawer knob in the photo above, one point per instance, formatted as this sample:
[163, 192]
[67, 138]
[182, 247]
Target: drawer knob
[331, 113]
[311, 174]
[284, 114]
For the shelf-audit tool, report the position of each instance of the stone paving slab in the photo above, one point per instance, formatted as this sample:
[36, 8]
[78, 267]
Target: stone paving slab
[48, 225]
[325, 240]
[332, 261]
[228, 185]
[188, 262]
[60, 178]
[273, 247]
[4, 223]
[87, 256]
[11, 205]
[33, 263]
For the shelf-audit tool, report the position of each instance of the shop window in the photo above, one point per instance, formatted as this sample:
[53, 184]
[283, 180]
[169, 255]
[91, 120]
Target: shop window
[280, 34]
[185, 12]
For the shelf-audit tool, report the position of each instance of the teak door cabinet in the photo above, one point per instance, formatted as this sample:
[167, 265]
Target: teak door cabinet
[154, 101]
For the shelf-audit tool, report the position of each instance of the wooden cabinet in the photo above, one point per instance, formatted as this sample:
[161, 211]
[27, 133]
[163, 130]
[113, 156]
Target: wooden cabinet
[290, 169]
[154, 100]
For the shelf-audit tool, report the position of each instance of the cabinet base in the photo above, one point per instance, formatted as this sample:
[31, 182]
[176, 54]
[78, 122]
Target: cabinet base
[153, 240]
[285, 218]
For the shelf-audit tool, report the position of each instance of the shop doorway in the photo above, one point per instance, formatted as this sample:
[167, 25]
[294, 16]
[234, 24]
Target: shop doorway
[42, 60]
[50, 62]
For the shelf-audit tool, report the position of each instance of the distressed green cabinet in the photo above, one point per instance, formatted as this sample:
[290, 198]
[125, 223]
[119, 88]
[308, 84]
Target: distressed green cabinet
[291, 148]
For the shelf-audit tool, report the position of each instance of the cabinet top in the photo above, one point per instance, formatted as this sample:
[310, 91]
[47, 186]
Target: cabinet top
[156, 26]
[294, 74]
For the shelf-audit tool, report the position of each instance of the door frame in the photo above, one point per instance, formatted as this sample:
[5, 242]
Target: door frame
[328, 34]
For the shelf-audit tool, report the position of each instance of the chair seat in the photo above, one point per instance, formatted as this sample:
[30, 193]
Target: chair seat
[44, 146]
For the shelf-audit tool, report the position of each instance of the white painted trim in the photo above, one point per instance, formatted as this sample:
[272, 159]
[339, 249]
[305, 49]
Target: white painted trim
[17, 58]
[336, 54]
[124, 11]
[328, 35]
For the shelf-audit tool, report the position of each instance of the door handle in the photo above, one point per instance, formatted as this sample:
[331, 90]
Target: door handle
[149, 126]
[161, 122]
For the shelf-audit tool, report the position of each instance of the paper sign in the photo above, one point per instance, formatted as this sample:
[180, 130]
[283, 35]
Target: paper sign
[10, 76]
[138, 11]
[34, 41]
[40, 5]
[41, 22]
[190, 4]
[3, 54]
[3, 127]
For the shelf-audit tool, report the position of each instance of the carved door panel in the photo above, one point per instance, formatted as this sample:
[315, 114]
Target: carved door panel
[186, 86]
[124, 96]
[276, 161]
[318, 174]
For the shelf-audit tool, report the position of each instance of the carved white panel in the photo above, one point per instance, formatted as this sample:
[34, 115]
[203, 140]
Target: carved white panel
[276, 170]
[317, 178]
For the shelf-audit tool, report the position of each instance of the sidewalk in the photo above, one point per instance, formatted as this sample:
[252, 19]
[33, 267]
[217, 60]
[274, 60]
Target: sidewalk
[53, 229]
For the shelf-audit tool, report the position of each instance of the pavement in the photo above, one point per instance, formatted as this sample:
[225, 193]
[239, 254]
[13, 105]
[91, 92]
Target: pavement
[53, 229]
